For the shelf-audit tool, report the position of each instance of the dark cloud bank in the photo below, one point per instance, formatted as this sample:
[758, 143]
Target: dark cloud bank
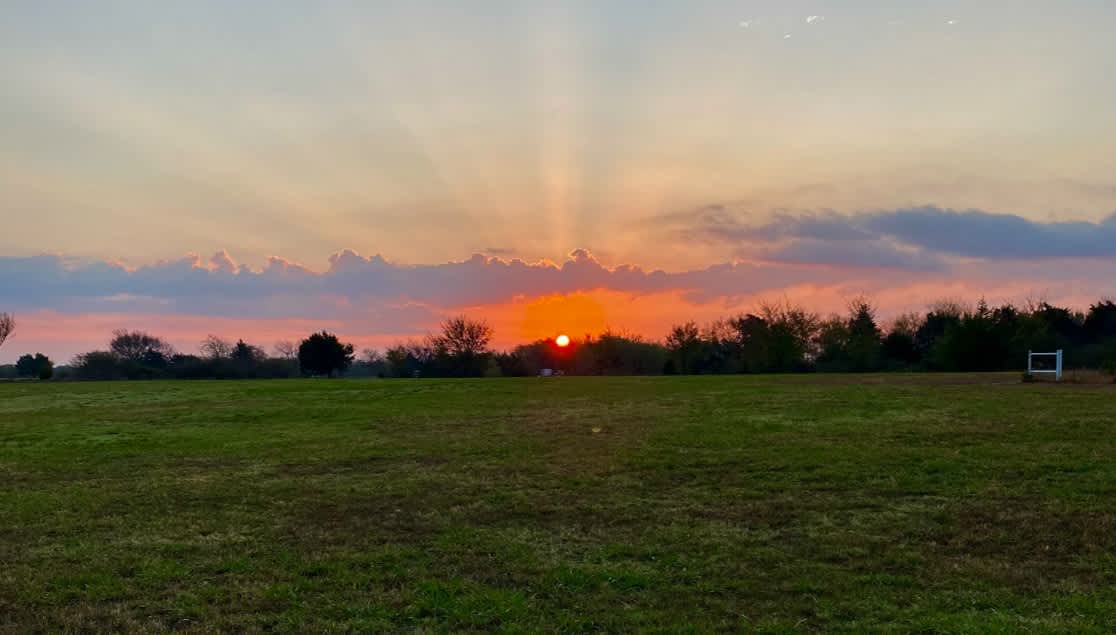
[902, 246]
[221, 287]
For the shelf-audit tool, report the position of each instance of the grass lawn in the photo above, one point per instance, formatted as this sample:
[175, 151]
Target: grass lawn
[783, 504]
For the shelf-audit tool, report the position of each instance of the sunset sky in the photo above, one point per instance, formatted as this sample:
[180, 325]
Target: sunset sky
[263, 169]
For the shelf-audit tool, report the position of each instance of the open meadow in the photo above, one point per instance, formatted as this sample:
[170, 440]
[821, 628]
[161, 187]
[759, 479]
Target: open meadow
[907, 502]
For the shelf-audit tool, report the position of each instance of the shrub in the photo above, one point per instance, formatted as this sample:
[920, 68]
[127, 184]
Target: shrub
[38, 365]
[98, 365]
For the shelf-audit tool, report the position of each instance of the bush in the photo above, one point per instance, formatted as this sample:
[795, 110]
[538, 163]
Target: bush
[98, 365]
[1109, 360]
[38, 366]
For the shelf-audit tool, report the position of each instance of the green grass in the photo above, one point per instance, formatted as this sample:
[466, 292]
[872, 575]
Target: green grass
[908, 503]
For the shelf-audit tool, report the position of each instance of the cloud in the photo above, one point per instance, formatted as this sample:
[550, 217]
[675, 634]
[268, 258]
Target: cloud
[927, 234]
[816, 259]
[979, 234]
[815, 18]
[221, 287]
[824, 254]
[858, 253]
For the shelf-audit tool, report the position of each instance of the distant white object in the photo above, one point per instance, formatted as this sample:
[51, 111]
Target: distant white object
[546, 372]
[1057, 372]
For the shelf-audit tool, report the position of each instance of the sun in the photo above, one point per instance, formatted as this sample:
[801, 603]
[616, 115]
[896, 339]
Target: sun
[562, 341]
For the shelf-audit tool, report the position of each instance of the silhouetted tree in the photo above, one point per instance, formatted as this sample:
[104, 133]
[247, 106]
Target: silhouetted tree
[898, 348]
[963, 345]
[98, 365]
[398, 361]
[286, 350]
[245, 353]
[7, 326]
[37, 365]
[1100, 322]
[792, 332]
[156, 360]
[941, 317]
[685, 345]
[833, 344]
[780, 338]
[30, 365]
[751, 344]
[371, 363]
[323, 354]
[214, 347]
[721, 348]
[614, 354]
[463, 344]
[1108, 358]
[1061, 322]
[133, 346]
[45, 366]
[863, 348]
[513, 364]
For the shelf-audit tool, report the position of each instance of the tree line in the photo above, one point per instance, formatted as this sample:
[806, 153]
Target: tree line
[141, 355]
[776, 338]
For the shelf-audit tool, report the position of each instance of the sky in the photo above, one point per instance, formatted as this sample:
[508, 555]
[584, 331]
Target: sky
[264, 169]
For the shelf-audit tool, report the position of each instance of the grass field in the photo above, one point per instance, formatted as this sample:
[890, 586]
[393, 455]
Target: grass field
[937, 504]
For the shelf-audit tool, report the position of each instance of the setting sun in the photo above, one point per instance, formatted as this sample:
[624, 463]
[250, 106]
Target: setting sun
[562, 341]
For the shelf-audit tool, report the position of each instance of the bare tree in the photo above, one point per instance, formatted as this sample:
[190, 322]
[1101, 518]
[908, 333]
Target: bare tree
[286, 350]
[684, 343]
[462, 336]
[136, 345]
[214, 347]
[792, 334]
[951, 307]
[906, 324]
[7, 326]
[463, 343]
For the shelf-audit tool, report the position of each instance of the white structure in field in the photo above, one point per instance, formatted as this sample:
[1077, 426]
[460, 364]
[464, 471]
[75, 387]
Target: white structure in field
[1057, 370]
